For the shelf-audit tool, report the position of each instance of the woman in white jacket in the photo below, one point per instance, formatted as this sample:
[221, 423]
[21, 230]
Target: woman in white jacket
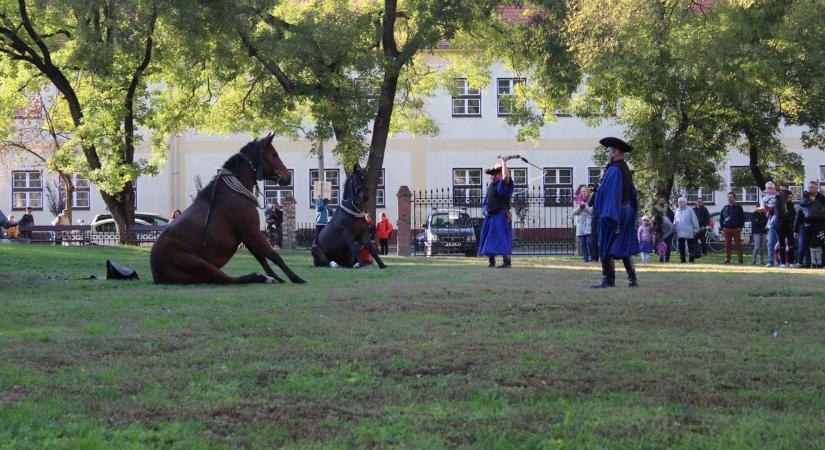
[584, 213]
[687, 226]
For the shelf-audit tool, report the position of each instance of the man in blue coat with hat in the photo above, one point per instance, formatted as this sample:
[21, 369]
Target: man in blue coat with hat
[617, 205]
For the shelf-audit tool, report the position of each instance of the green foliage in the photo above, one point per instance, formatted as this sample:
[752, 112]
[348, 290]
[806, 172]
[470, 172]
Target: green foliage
[85, 56]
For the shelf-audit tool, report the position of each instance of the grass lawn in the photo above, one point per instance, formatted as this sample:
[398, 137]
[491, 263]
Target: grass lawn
[426, 354]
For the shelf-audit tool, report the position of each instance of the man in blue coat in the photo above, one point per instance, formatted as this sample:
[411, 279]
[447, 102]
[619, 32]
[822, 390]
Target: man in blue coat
[617, 205]
[497, 230]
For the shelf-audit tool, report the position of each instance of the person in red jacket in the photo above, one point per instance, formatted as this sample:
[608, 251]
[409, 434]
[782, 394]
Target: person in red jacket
[383, 232]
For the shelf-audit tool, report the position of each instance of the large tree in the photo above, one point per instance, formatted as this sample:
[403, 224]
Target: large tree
[646, 69]
[357, 70]
[98, 59]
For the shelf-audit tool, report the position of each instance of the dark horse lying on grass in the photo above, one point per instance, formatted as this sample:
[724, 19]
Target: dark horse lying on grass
[341, 240]
[194, 247]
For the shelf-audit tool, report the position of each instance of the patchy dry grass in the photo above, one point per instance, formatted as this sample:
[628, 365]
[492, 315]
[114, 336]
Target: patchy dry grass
[427, 354]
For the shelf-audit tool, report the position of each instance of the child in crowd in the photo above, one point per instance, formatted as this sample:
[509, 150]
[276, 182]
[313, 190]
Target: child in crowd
[816, 249]
[662, 232]
[578, 198]
[645, 236]
[759, 230]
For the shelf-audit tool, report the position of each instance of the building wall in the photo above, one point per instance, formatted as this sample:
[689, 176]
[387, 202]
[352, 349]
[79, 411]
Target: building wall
[418, 162]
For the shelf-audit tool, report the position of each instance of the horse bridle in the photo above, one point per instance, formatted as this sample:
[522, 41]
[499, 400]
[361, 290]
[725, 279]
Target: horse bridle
[357, 213]
[257, 168]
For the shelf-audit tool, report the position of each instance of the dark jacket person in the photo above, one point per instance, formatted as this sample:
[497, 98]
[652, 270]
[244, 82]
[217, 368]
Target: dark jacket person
[617, 207]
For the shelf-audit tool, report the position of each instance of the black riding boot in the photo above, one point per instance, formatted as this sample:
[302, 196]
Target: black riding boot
[506, 264]
[608, 274]
[631, 271]
[492, 262]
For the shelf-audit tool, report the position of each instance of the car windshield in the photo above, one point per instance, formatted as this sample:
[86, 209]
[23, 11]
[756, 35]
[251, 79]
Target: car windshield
[451, 220]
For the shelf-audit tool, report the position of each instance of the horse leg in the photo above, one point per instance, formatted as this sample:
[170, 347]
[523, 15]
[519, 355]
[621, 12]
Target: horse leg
[371, 248]
[318, 257]
[260, 248]
[198, 271]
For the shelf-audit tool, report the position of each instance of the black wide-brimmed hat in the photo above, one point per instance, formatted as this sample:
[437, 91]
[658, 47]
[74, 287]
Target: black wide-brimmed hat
[616, 143]
[495, 168]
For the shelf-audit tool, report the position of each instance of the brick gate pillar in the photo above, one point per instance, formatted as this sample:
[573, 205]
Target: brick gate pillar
[404, 223]
[289, 225]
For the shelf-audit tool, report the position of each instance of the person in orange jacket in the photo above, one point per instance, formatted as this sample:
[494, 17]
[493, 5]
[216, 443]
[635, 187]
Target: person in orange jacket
[383, 232]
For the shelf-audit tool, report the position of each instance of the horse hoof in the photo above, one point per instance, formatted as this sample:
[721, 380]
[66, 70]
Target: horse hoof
[382, 267]
[298, 280]
[334, 264]
[269, 280]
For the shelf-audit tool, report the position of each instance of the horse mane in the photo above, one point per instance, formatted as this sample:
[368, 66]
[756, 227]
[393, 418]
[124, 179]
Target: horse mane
[235, 162]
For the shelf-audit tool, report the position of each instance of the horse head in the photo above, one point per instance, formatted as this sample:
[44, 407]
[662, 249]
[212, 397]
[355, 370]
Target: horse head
[356, 189]
[269, 164]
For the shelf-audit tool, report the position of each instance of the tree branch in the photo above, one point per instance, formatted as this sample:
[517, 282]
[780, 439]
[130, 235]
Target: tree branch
[27, 24]
[270, 66]
[129, 100]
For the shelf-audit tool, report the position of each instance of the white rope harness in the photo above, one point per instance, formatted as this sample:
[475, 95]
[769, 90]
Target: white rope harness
[233, 183]
[351, 212]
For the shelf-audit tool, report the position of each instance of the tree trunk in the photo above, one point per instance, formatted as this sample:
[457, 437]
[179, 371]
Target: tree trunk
[69, 189]
[753, 161]
[122, 208]
[380, 133]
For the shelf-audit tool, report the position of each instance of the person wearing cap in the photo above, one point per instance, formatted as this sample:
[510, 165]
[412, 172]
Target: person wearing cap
[645, 237]
[617, 206]
[497, 230]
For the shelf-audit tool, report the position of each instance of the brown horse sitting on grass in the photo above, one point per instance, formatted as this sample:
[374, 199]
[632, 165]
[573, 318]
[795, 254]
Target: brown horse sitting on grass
[194, 247]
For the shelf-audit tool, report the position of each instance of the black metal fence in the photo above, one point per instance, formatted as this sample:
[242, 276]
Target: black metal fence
[72, 235]
[448, 222]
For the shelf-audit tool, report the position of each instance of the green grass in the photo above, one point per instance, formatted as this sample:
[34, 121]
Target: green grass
[426, 354]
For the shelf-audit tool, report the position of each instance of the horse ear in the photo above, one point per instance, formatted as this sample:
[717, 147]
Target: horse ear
[356, 167]
[268, 139]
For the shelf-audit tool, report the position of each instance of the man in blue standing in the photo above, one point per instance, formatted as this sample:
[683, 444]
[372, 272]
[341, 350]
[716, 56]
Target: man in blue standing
[497, 229]
[617, 206]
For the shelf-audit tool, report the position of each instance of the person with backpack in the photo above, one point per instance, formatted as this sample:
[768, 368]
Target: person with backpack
[809, 221]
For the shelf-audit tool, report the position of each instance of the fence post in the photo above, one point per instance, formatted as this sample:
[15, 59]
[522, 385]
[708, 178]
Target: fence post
[404, 221]
[289, 224]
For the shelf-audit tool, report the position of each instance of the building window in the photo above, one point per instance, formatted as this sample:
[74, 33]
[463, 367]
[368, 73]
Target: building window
[519, 176]
[274, 192]
[332, 176]
[796, 190]
[594, 175]
[467, 101]
[466, 187]
[380, 191]
[27, 189]
[705, 193]
[821, 178]
[506, 88]
[81, 198]
[558, 186]
[743, 184]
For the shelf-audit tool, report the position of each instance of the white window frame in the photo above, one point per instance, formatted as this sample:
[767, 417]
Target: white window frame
[505, 89]
[555, 188]
[590, 173]
[742, 192]
[336, 187]
[466, 96]
[471, 193]
[82, 185]
[708, 195]
[278, 193]
[380, 191]
[29, 189]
